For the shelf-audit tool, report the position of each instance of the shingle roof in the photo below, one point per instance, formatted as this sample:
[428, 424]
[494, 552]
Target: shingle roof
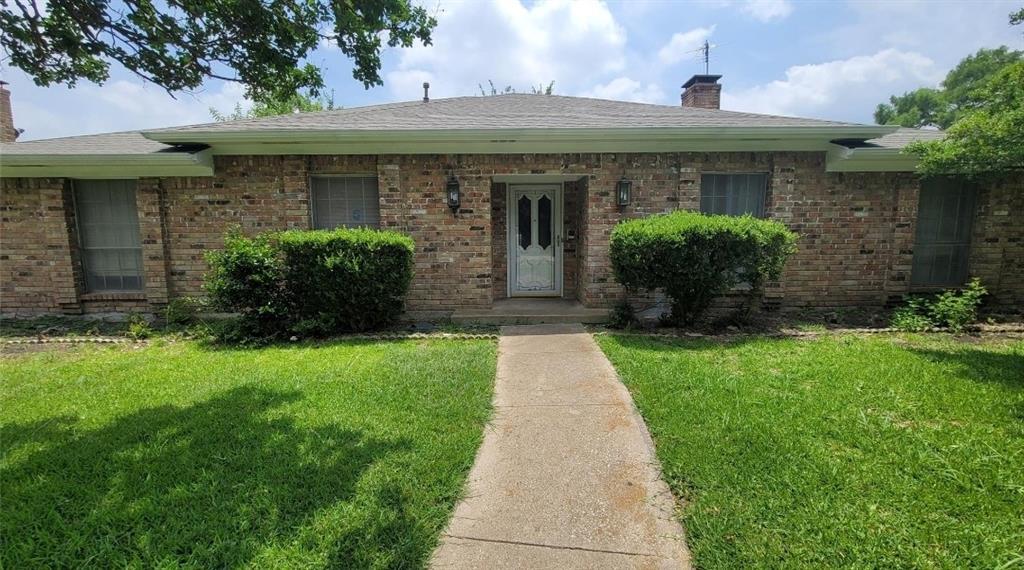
[903, 137]
[514, 111]
[104, 144]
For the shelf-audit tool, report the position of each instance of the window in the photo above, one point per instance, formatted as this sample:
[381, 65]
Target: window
[350, 201]
[733, 194]
[945, 213]
[108, 235]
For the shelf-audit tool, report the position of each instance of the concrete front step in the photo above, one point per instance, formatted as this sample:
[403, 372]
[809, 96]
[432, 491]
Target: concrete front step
[530, 312]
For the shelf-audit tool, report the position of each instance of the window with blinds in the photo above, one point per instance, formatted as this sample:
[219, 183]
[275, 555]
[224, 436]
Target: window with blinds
[945, 215]
[733, 194]
[108, 235]
[349, 201]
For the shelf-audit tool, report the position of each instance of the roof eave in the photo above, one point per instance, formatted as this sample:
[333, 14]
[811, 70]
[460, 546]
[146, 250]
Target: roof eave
[842, 159]
[485, 140]
[106, 165]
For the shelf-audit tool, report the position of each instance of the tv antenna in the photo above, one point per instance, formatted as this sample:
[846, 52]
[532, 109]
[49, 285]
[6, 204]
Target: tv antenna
[706, 51]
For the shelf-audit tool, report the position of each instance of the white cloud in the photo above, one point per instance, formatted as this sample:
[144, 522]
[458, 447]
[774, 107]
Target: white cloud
[838, 88]
[574, 43]
[945, 31]
[626, 89]
[683, 44]
[767, 10]
[118, 105]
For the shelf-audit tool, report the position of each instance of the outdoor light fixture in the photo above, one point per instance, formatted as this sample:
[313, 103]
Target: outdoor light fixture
[452, 189]
[623, 191]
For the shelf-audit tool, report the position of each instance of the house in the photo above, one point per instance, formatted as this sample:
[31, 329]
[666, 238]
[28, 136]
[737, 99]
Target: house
[121, 221]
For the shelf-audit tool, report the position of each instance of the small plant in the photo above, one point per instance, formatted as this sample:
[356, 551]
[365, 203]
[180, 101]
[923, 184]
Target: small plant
[138, 327]
[622, 316]
[910, 318]
[183, 310]
[954, 309]
[957, 309]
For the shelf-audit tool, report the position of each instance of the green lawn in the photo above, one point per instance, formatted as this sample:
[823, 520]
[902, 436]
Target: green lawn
[868, 452]
[346, 455]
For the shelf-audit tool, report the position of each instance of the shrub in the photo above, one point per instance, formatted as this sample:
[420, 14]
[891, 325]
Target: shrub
[138, 327]
[246, 278]
[696, 257]
[911, 318]
[345, 279]
[957, 309]
[622, 316]
[314, 282]
[183, 310]
[954, 309]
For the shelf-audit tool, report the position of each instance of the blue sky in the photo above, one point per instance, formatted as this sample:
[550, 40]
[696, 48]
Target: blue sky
[832, 60]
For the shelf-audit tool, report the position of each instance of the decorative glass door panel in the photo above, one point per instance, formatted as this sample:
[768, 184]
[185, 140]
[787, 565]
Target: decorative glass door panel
[534, 252]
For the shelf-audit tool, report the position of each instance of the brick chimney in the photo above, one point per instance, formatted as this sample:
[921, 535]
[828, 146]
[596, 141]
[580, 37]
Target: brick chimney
[8, 133]
[702, 91]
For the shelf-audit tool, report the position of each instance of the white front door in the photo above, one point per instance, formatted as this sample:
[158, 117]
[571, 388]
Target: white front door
[535, 242]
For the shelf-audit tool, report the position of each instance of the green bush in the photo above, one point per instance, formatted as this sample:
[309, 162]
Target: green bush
[954, 309]
[138, 327]
[315, 282]
[622, 316]
[345, 279]
[246, 277]
[696, 257]
[911, 318]
[183, 310]
[957, 309]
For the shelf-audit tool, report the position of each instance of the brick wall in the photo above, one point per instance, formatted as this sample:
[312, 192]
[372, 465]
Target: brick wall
[997, 246]
[37, 263]
[855, 248]
[571, 213]
[499, 241]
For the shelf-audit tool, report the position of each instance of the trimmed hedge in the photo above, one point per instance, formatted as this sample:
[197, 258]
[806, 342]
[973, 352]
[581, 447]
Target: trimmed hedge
[696, 257]
[345, 279]
[246, 278]
[311, 282]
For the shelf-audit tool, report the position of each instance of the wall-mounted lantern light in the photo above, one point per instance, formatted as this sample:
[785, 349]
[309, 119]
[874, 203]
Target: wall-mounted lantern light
[452, 190]
[623, 191]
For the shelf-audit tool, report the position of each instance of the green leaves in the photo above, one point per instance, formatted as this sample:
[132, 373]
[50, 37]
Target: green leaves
[953, 308]
[986, 141]
[178, 45]
[927, 107]
[315, 282]
[695, 257]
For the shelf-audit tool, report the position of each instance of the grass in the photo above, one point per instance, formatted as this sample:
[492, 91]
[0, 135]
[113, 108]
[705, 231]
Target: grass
[351, 454]
[867, 452]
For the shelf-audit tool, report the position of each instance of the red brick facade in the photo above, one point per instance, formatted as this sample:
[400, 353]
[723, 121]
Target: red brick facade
[856, 245]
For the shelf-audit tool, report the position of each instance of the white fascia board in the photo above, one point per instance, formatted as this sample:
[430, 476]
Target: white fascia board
[842, 159]
[520, 140]
[106, 166]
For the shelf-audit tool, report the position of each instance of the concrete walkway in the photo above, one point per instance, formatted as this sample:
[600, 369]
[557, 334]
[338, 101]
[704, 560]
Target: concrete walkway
[566, 476]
